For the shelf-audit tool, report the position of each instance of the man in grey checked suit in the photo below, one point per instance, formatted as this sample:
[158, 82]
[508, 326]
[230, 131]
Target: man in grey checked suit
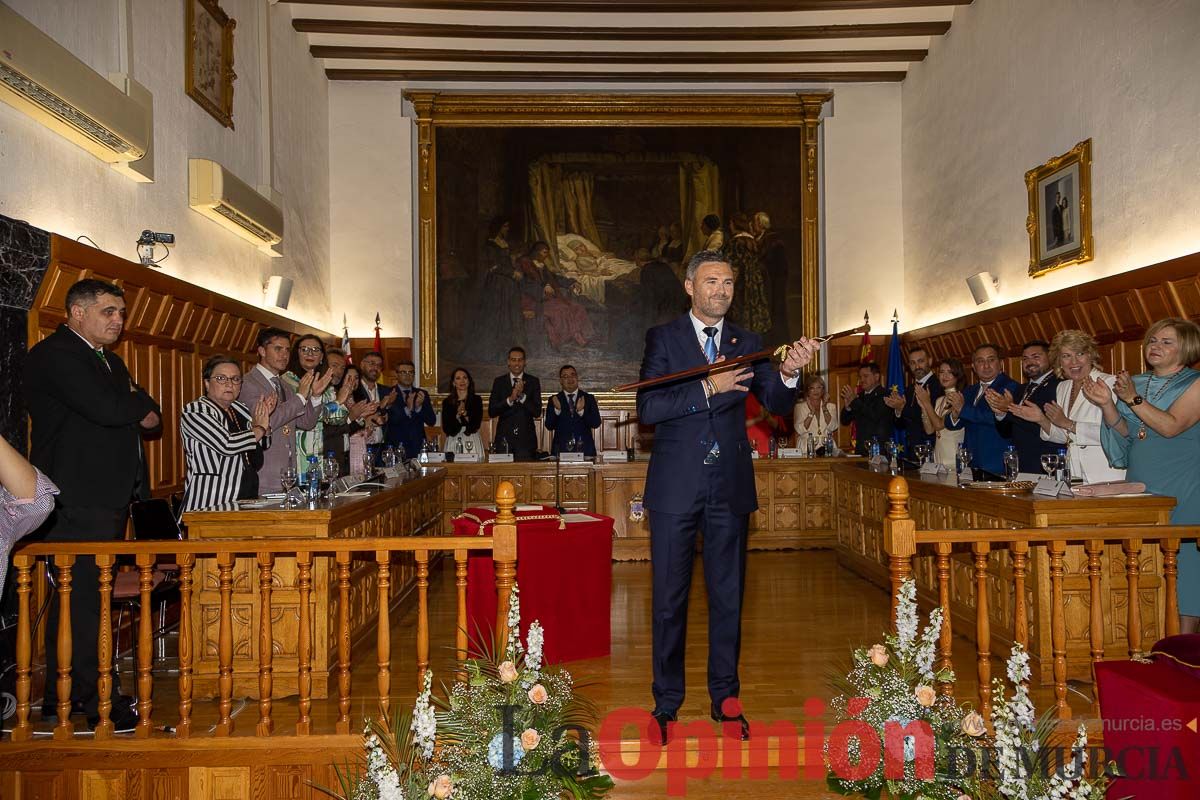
[294, 411]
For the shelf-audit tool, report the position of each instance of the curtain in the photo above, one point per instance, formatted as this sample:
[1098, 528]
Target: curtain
[699, 196]
[578, 190]
[545, 187]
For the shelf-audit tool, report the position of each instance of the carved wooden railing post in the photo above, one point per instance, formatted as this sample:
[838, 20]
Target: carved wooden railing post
[422, 562]
[186, 562]
[65, 730]
[383, 630]
[1170, 561]
[145, 643]
[460, 585]
[342, 559]
[1133, 569]
[23, 731]
[1020, 568]
[946, 640]
[304, 563]
[104, 647]
[1094, 548]
[983, 629]
[225, 644]
[266, 654]
[504, 554]
[899, 537]
[1058, 627]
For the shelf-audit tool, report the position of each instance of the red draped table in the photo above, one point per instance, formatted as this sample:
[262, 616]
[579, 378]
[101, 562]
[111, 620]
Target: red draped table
[564, 571]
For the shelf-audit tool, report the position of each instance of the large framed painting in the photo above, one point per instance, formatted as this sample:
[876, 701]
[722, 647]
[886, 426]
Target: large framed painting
[209, 58]
[1060, 210]
[564, 226]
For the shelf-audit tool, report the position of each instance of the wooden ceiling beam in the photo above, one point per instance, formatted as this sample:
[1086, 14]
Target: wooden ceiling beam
[637, 6]
[549, 33]
[608, 57]
[492, 76]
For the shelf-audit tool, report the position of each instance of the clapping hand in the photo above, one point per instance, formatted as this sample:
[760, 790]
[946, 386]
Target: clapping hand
[321, 383]
[1123, 387]
[1027, 410]
[346, 389]
[363, 408]
[579, 404]
[557, 405]
[957, 400]
[921, 393]
[999, 403]
[262, 412]
[306, 384]
[387, 401]
[1054, 412]
[895, 400]
[517, 390]
[1098, 393]
[847, 395]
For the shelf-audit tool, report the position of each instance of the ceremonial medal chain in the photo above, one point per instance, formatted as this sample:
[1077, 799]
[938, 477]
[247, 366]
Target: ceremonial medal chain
[1141, 434]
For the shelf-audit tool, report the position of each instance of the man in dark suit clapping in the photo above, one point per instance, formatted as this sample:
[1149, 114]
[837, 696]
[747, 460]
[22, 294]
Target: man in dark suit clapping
[868, 410]
[515, 404]
[701, 477]
[906, 409]
[572, 414]
[88, 417]
[1040, 388]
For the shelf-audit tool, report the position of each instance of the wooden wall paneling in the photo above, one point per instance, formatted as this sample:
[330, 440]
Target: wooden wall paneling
[171, 326]
[103, 784]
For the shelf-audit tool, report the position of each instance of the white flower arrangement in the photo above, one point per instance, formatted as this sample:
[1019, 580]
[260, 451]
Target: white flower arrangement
[424, 721]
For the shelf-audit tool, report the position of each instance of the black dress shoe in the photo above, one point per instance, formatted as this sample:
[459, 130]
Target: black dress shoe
[740, 719]
[660, 731]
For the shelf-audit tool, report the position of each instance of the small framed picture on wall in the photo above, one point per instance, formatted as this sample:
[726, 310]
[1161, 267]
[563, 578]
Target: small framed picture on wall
[1060, 210]
[209, 56]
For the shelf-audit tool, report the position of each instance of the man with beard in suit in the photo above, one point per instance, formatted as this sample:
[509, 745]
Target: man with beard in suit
[906, 409]
[1040, 386]
[701, 477]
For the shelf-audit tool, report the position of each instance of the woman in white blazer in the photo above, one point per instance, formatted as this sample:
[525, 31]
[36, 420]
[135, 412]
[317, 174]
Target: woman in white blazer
[222, 440]
[1075, 421]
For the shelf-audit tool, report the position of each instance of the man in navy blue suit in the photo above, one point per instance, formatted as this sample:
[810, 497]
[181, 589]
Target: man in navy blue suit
[572, 414]
[969, 409]
[701, 477]
[411, 412]
[906, 409]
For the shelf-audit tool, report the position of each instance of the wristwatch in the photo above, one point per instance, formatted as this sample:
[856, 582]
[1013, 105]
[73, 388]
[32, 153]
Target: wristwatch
[1138, 400]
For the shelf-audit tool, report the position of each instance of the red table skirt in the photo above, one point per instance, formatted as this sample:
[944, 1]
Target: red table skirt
[565, 578]
[1150, 713]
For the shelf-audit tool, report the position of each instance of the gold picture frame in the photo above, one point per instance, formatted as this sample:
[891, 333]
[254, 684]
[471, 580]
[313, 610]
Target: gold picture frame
[438, 110]
[1060, 211]
[208, 49]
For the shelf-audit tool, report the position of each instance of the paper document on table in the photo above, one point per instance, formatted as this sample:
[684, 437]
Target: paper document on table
[576, 516]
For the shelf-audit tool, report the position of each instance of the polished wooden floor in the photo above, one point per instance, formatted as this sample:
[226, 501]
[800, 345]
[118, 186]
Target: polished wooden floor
[803, 616]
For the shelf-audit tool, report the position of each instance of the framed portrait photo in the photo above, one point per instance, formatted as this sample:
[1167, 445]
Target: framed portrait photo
[1060, 210]
[209, 57]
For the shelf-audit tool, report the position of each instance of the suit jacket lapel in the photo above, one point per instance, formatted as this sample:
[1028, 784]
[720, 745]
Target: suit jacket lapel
[730, 341]
[691, 343]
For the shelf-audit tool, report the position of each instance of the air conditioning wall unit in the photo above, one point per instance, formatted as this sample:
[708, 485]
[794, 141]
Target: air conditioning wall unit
[46, 81]
[228, 201]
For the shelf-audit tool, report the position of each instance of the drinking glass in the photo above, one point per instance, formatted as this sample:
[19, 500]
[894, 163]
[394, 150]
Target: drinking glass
[287, 478]
[963, 457]
[922, 452]
[329, 472]
[1049, 463]
[1012, 465]
[389, 457]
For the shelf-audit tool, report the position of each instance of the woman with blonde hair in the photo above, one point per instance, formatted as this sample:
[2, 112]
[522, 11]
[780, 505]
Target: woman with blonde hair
[1074, 420]
[1151, 427]
[814, 413]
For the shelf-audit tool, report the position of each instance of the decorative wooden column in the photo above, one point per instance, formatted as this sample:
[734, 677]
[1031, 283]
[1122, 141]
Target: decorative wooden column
[426, 233]
[808, 303]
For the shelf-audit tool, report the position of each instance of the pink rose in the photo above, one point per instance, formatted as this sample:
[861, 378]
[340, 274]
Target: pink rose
[925, 695]
[530, 739]
[538, 694]
[972, 725]
[878, 654]
[440, 787]
[508, 672]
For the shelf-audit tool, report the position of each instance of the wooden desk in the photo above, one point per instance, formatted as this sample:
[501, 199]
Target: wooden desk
[938, 504]
[408, 508]
[795, 498]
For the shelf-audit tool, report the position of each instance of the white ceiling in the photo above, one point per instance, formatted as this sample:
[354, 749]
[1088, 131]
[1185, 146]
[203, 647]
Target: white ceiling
[764, 44]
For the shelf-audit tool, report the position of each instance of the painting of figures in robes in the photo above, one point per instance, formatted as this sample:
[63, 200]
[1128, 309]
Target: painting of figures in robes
[571, 242]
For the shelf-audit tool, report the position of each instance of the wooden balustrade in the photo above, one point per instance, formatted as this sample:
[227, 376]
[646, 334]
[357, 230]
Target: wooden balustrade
[380, 551]
[902, 540]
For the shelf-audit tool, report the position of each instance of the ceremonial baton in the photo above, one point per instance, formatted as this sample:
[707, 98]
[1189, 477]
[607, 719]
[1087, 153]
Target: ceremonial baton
[720, 366]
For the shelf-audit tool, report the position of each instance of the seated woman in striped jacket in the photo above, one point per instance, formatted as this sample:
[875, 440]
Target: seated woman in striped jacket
[223, 441]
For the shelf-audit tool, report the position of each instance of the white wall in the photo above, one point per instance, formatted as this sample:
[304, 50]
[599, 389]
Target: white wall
[1016, 82]
[52, 184]
[371, 207]
[864, 239]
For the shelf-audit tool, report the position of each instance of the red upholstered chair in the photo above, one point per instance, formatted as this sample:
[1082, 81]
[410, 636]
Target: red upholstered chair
[1151, 715]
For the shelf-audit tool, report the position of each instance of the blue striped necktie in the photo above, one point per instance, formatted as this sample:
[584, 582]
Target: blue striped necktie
[710, 345]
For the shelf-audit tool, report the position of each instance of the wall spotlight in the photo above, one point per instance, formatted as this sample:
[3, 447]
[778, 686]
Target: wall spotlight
[984, 287]
[278, 291]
